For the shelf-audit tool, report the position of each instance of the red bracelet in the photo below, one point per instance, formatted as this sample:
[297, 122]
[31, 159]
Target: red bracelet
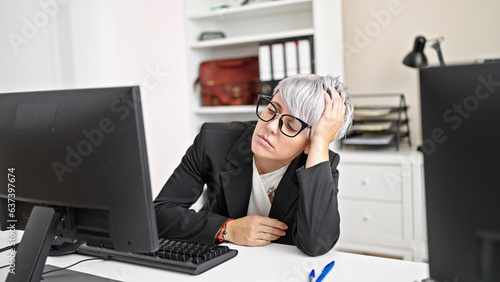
[223, 231]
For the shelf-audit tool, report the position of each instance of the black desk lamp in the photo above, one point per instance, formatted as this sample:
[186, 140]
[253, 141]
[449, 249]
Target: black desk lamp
[417, 58]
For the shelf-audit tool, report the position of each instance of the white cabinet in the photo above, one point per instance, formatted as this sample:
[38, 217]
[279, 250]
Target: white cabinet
[380, 203]
[245, 27]
[420, 247]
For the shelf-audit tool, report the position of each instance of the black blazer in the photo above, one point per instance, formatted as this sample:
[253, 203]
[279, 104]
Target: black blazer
[221, 158]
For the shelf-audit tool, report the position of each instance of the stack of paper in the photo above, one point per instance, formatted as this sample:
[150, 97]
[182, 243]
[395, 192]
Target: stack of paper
[369, 139]
[372, 126]
[372, 112]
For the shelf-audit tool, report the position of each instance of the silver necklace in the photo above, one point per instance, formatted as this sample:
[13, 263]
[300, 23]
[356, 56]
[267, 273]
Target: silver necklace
[270, 188]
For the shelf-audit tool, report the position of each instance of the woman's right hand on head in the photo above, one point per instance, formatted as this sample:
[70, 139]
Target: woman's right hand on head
[331, 120]
[327, 130]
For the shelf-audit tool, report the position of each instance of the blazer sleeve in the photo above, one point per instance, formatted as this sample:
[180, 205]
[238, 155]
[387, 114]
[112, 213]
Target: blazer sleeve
[318, 220]
[174, 218]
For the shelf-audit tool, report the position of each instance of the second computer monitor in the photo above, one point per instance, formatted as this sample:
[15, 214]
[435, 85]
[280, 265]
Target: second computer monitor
[461, 146]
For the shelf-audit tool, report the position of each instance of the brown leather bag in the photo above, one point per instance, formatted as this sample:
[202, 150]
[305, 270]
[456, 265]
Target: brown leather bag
[229, 81]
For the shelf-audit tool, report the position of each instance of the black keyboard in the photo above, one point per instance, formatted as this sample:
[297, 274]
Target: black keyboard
[176, 255]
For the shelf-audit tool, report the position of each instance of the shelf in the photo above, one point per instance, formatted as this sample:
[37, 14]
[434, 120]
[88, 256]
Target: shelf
[379, 125]
[215, 110]
[230, 41]
[245, 27]
[376, 111]
[372, 126]
[370, 139]
[265, 8]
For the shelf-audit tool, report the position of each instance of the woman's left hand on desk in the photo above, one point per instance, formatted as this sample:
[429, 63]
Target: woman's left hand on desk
[254, 230]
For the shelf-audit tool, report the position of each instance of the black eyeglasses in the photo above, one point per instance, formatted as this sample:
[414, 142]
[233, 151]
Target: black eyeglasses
[289, 125]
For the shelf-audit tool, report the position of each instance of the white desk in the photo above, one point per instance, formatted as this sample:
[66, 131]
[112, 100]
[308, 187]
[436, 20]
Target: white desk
[274, 263]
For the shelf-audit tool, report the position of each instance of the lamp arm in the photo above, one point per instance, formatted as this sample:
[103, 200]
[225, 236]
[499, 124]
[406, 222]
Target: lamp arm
[437, 47]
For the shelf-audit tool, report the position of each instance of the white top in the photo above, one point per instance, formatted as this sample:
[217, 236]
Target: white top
[262, 186]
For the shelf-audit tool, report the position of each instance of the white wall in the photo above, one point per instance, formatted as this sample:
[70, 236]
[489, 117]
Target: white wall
[379, 33]
[139, 42]
[28, 49]
[69, 43]
[107, 43]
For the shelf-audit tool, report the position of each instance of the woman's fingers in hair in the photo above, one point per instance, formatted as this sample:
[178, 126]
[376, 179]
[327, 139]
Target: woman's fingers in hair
[333, 114]
[339, 103]
[336, 105]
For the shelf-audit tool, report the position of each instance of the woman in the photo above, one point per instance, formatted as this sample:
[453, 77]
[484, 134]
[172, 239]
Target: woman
[274, 180]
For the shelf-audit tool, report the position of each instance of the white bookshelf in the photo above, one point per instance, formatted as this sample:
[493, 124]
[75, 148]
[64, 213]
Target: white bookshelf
[245, 27]
[254, 38]
[269, 8]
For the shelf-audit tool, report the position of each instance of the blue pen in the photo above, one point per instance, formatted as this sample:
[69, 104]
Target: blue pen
[325, 271]
[311, 276]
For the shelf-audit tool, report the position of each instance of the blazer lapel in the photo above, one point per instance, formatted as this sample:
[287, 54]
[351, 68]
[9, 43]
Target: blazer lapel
[287, 192]
[236, 181]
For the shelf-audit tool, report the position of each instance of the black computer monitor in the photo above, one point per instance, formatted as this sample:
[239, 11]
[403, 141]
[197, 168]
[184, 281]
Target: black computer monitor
[461, 146]
[79, 158]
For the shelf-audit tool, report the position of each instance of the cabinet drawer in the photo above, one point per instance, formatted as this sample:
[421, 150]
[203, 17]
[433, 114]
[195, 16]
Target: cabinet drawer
[381, 182]
[373, 220]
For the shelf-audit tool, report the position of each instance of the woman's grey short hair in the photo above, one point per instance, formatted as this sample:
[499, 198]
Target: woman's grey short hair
[304, 98]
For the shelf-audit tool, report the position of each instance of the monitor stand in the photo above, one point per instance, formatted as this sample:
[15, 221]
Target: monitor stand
[35, 245]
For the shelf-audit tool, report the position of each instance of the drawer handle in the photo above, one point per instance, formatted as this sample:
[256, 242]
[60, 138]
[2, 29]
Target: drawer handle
[366, 217]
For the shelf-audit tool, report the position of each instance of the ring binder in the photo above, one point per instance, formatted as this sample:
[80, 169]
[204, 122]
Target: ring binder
[279, 59]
